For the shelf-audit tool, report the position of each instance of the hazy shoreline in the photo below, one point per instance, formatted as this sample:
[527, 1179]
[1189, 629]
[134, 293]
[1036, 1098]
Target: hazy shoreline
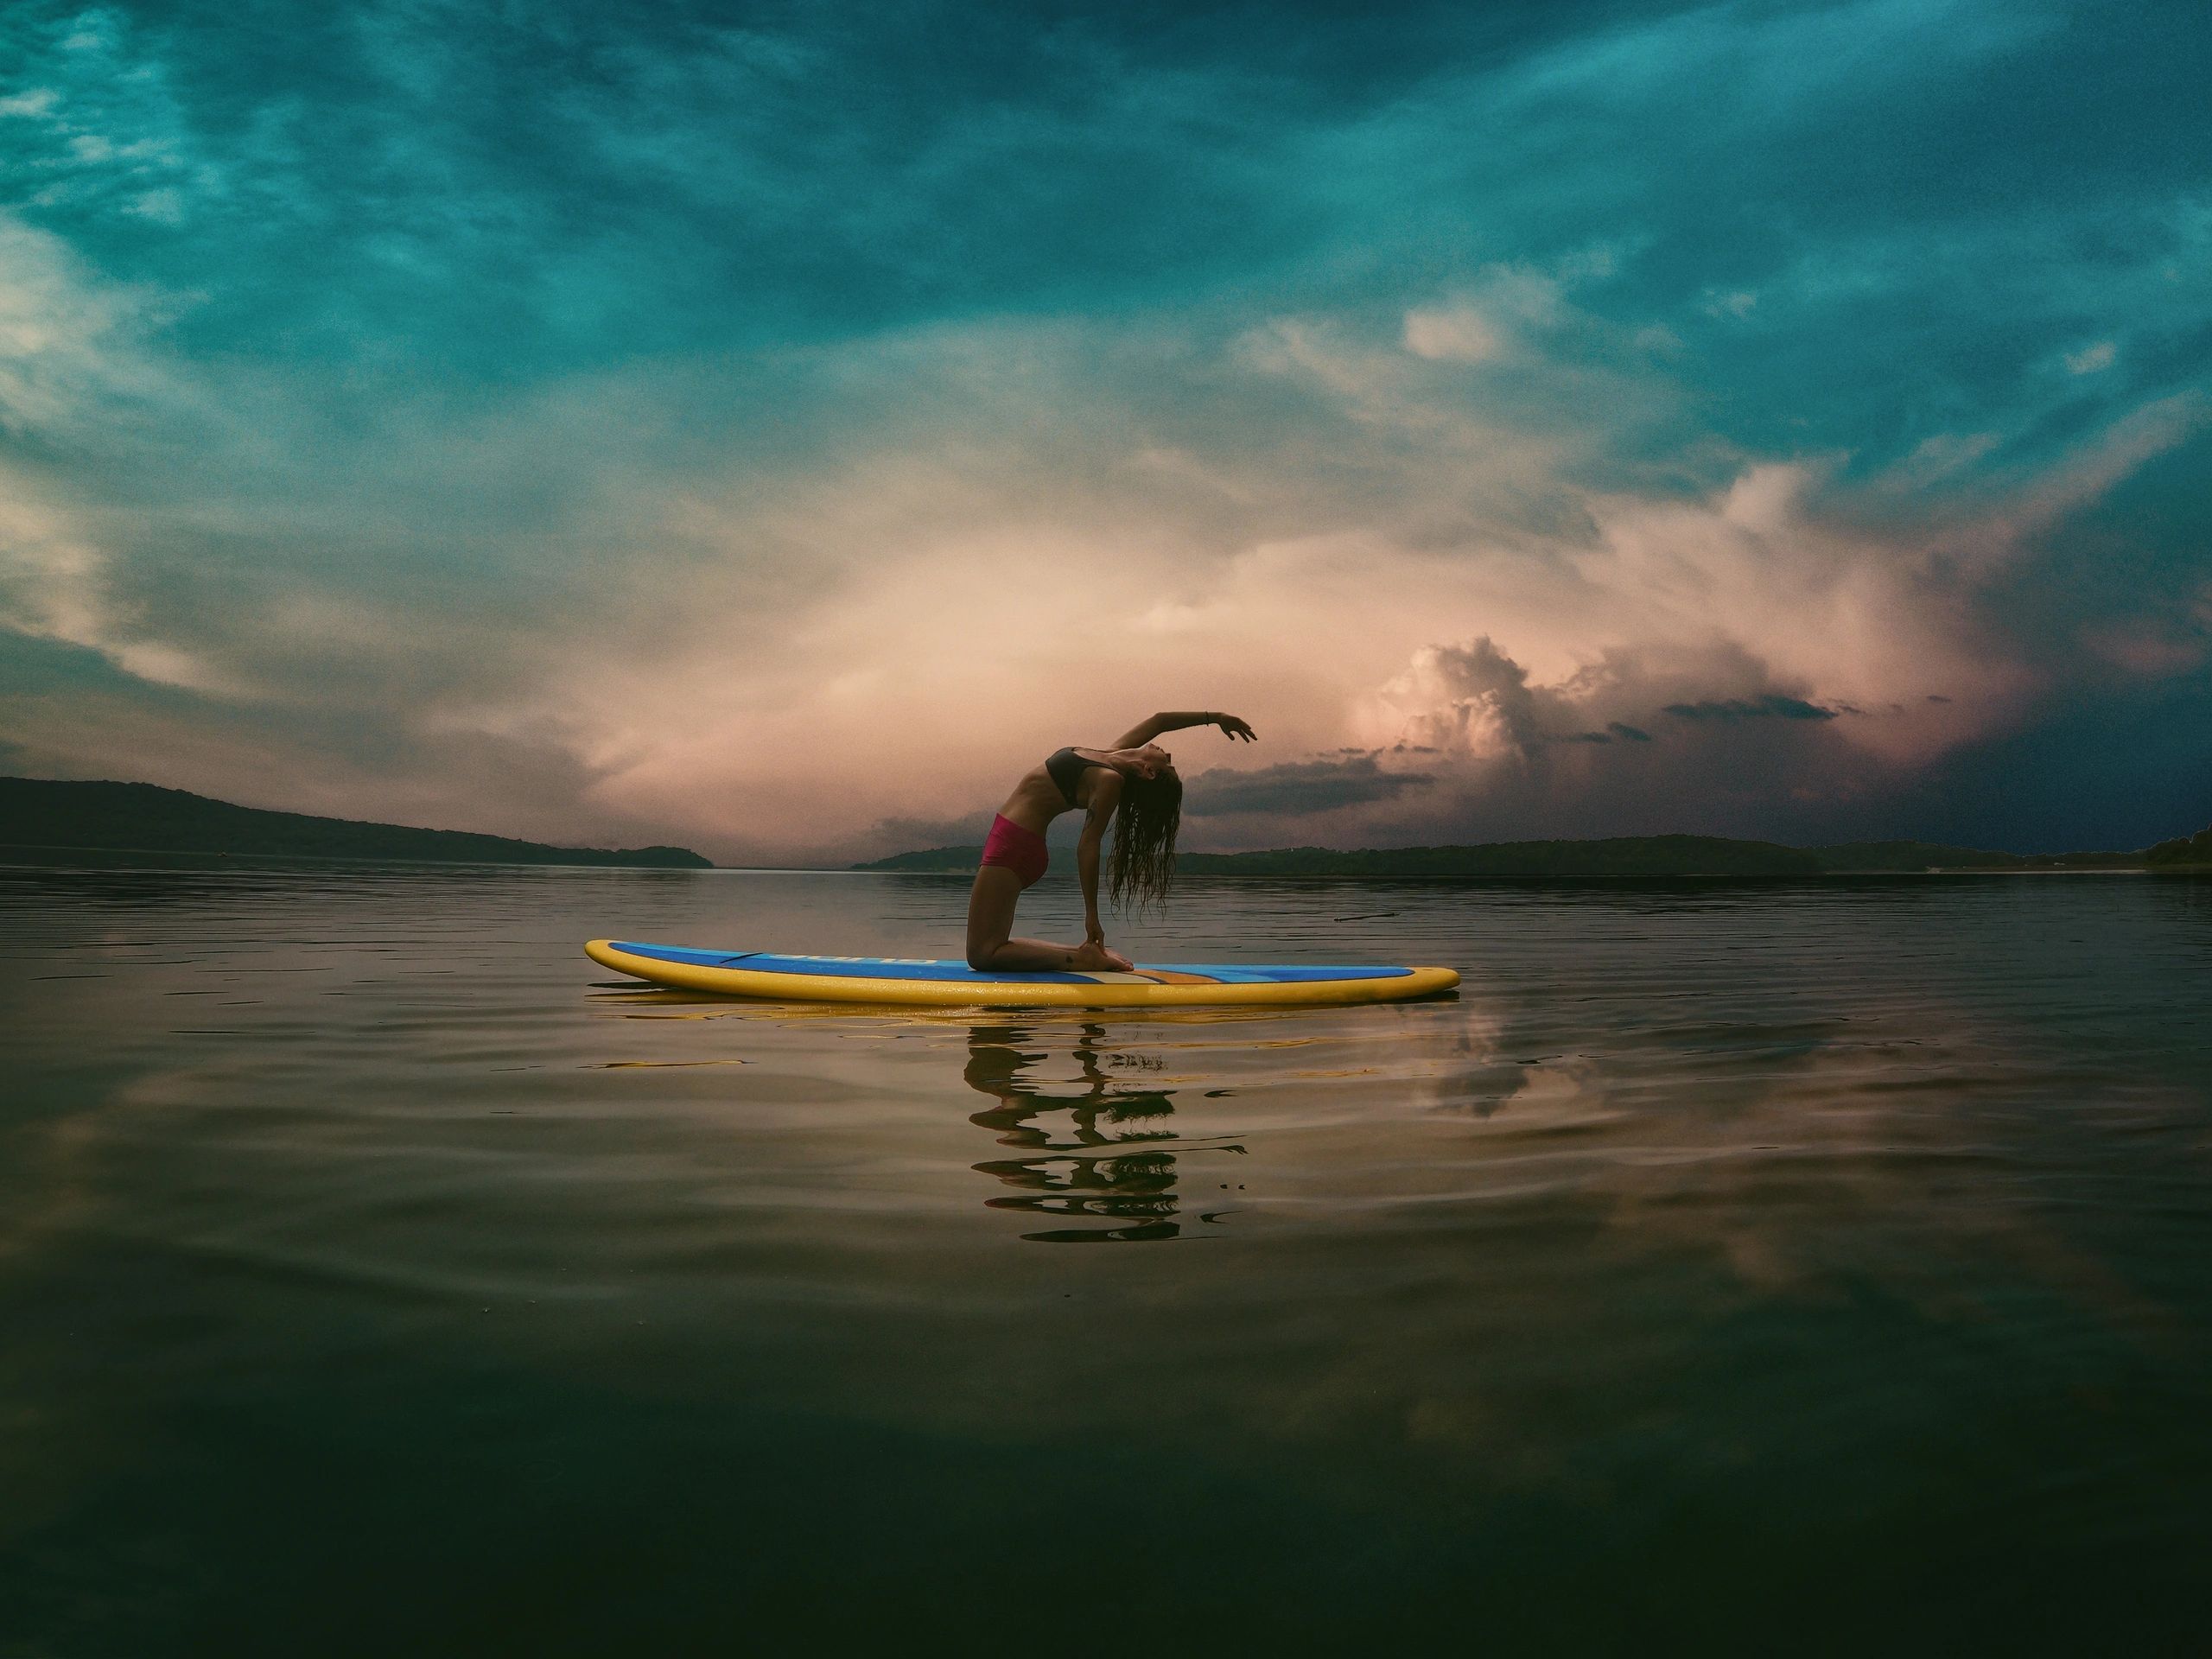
[118, 820]
[1617, 858]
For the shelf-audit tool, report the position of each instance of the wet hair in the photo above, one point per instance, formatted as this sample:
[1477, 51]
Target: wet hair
[1142, 866]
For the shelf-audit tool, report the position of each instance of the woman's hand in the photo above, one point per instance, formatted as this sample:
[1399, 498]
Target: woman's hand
[1232, 727]
[1094, 942]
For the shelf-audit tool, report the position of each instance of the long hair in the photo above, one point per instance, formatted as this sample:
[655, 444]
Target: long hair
[1143, 863]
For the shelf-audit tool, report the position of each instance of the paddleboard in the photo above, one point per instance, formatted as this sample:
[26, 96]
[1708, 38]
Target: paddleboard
[918, 984]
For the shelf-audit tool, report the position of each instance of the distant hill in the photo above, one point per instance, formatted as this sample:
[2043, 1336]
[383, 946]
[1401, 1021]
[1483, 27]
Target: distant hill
[1627, 855]
[1908, 857]
[937, 861]
[1619, 856]
[2189, 853]
[143, 817]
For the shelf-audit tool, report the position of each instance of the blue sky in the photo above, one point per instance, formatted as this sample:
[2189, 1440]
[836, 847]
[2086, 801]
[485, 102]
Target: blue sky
[765, 427]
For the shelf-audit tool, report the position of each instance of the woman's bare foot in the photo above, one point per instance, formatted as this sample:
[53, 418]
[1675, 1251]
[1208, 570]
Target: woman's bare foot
[1092, 957]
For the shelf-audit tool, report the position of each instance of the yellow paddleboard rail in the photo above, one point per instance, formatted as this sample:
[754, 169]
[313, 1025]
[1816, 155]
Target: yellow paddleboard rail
[1164, 986]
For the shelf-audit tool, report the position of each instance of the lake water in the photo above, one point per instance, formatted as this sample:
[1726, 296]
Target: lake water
[1784, 1269]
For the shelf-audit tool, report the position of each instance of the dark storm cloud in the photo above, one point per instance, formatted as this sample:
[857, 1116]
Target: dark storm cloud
[1296, 788]
[1615, 728]
[1773, 705]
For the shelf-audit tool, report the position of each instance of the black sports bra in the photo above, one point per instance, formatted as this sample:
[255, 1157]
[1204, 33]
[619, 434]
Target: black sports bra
[1067, 767]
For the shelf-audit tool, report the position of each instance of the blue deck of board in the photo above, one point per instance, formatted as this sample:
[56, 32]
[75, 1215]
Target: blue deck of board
[961, 973]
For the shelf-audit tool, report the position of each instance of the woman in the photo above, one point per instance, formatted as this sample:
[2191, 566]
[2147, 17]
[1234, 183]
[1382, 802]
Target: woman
[1134, 786]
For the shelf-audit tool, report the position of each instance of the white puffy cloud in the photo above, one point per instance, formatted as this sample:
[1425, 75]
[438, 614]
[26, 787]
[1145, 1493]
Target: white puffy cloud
[2090, 359]
[1457, 334]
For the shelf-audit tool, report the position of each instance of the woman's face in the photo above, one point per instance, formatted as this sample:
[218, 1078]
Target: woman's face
[1153, 761]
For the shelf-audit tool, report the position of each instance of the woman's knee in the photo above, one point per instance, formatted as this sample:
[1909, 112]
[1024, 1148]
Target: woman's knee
[984, 945]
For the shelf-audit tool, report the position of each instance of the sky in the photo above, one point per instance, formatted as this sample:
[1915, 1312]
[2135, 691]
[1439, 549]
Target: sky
[773, 429]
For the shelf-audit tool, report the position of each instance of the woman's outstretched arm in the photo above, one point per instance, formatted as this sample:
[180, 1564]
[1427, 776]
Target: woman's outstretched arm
[1144, 731]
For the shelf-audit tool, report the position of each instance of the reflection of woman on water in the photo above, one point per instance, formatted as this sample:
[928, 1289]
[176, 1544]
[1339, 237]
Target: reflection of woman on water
[1126, 1176]
[1133, 785]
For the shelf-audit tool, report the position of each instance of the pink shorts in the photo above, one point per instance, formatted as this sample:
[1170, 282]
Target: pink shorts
[1020, 850]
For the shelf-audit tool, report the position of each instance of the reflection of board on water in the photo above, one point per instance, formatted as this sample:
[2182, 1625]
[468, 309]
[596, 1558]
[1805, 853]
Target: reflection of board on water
[916, 983]
[1118, 1162]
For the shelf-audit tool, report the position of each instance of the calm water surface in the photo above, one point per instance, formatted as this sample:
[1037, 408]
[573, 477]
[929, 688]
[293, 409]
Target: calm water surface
[1790, 1268]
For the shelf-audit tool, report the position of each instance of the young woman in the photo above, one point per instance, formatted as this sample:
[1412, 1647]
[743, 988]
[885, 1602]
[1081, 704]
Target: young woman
[1132, 785]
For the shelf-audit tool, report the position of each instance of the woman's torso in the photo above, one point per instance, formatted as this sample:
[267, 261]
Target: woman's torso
[1059, 783]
